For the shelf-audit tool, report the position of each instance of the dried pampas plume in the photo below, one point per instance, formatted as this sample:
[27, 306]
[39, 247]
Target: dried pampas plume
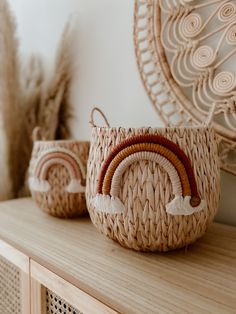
[32, 79]
[10, 114]
[55, 109]
[46, 102]
[27, 100]
[32, 75]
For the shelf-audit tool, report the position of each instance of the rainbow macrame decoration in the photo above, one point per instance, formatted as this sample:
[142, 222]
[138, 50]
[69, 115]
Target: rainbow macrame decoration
[65, 158]
[154, 148]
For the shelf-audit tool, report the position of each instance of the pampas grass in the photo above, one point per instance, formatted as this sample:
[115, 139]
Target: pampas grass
[45, 102]
[29, 98]
[55, 109]
[32, 80]
[10, 115]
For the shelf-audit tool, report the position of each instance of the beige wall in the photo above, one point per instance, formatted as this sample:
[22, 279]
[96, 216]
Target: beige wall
[107, 75]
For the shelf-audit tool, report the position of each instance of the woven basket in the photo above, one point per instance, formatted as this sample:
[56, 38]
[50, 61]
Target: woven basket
[153, 189]
[57, 177]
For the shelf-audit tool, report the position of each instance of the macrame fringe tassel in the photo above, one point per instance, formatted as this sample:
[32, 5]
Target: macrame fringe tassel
[36, 184]
[75, 186]
[178, 206]
[181, 206]
[108, 204]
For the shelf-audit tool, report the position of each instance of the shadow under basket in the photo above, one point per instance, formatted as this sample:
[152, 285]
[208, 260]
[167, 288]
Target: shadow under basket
[153, 189]
[57, 177]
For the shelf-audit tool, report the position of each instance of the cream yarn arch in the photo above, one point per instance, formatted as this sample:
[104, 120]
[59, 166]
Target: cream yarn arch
[186, 55]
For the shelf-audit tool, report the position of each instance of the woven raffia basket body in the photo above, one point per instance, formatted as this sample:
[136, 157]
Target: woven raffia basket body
[137, 217]
[60, 190]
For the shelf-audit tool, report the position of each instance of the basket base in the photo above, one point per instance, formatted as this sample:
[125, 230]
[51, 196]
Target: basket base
[66, 206]
[149, 236]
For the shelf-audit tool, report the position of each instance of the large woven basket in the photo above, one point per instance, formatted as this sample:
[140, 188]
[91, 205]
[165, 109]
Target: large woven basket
[153, 189]
[57, 177]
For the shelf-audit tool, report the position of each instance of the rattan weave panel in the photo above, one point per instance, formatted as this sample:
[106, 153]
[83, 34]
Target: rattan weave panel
[186, 63]
[10, 284]
[56, 305]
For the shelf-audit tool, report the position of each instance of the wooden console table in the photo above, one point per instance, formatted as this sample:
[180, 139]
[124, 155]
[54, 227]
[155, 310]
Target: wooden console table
[66, 266]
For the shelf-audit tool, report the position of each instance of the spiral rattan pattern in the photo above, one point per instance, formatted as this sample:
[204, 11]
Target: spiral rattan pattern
[184, 52]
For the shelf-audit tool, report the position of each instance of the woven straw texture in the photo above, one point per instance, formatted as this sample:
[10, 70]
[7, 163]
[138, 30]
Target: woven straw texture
[57, 201]
[10, 285]
[145, 189]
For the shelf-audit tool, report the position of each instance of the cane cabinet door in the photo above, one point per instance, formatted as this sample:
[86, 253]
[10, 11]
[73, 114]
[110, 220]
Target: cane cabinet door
[14, 281]
[51, 294]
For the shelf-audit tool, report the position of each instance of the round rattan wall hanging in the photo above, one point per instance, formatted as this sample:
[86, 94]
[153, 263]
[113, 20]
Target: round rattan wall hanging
[186, 55]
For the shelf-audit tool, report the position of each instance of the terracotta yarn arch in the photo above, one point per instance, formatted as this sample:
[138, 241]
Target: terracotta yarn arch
[160, 150]
[185, 50]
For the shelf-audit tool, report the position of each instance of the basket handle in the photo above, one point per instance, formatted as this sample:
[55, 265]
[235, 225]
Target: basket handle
[37, 134]
[92, 123]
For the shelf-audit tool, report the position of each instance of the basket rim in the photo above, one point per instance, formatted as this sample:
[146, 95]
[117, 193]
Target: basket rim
[69, 141]
[164, 128]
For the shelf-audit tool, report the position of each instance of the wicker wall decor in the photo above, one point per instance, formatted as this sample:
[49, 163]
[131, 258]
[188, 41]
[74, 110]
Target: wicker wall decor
[185, 50]
[153, 188]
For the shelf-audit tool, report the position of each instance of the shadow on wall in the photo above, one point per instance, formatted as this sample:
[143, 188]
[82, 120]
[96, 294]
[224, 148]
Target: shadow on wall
[226, 213]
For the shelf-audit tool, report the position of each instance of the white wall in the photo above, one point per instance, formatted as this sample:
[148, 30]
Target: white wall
[107, 74]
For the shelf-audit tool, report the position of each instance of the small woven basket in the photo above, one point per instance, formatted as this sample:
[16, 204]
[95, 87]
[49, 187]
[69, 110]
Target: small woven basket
[153, 189]
[57, 177]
